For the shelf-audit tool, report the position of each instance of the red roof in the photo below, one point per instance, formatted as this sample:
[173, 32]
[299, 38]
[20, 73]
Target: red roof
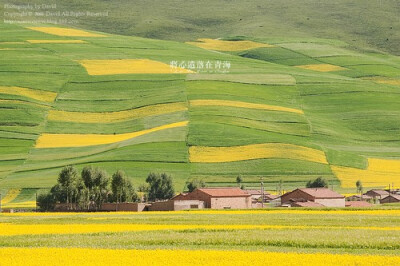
[322, 193]
[254, 191]
[395, 196]
[309, 204]
[224, 192]
[378, 191]
[358, 204]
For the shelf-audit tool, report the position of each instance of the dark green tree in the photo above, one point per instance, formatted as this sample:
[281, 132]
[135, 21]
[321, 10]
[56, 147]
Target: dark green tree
[317, 183]
[195, 183]
[68, 181]
[160, 186]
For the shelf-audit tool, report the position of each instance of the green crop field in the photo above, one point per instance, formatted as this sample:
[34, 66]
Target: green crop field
[332, 237]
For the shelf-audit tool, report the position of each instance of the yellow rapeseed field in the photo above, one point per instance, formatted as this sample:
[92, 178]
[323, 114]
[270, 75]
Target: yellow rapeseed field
[8, 229]
[85, 256]
[110, 117]
[322, 67]
[56, 41]
[66, 32]
[129, 66]
[244, 105]
[221, 45]
[202, 154]
[380, 172]
[10, 196]
[108, 215]
[79, 140]
[24, 204]
[383, 80]
[45, 96]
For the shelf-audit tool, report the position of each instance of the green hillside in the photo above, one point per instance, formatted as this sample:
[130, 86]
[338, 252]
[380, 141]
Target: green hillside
[290, 111]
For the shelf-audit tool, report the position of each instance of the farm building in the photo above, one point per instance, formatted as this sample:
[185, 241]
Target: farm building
[360, 198]
[220, 198]
[377, 193]
[392, 198]
[322, 196]
[176, 205]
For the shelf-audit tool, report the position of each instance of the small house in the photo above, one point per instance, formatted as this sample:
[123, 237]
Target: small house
[322, 196]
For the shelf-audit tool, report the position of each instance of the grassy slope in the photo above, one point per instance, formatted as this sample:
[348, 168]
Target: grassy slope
[348, 118]
[363, 24]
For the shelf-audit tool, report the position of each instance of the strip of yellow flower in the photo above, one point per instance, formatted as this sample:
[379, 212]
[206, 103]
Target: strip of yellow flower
[380, 172]
[24, 102]
[45, 96]
[66, 32]
[244, 105]
[109, 117]
[56, 41]
[370, 212]
[383, 80]
[7, 229]
[79, 140]
[221, 45]
[322, 67]
[11, 195]
[24, 204]
[129, 66]
[202, 154]
[86, 256]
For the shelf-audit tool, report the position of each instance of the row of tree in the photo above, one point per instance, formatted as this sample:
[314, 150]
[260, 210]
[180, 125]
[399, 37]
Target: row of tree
[93, 187]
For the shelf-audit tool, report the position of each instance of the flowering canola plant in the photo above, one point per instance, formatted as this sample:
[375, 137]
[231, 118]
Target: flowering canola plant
[202, 154]
[380, 172]
[129, 66]
[244, 105]
[66, 32]
[221, 45]
[86, 256]
[110, 117]
[40, 95]
[79, 140]
[322, 67]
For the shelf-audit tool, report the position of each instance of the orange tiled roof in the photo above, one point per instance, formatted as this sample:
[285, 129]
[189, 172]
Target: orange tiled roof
[224, 192]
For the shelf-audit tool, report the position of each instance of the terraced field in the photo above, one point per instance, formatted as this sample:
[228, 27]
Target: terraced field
[286, 110]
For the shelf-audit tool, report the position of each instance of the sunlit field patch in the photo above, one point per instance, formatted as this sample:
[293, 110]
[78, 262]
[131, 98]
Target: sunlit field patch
[16, 205]
[129, 66]
[86, 256]
[244, 105]
[322, 67]
[24, 102]
[56, 41]
[109, 117]
[56, 229]
[201, 154]
[45, 96]
[66, 32]
[221, 45]
[11, 195]
[380, 172]
[79, 140]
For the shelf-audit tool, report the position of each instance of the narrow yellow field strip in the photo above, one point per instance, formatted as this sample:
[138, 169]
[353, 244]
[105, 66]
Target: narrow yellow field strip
[86, 256]
[383, 80]
[244, 105]
[79, 140]
[221, 45]
[109, 117]
[11, 195]
[202, 154]
[66, 32]
[56, 41]
[25, 204]
[8, 229]
[44, 96]
[129, 66]
[322, 67]
[380, 172]
[23, 102]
